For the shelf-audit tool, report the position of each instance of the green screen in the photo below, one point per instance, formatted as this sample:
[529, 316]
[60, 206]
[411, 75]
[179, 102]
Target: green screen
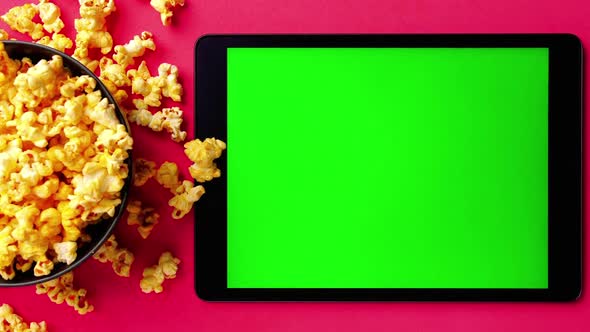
[387, 167]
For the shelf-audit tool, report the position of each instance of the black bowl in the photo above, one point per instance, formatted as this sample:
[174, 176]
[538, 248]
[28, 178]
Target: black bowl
[101, 231]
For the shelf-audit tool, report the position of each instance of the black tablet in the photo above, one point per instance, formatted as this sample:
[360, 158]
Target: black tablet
[391, 167]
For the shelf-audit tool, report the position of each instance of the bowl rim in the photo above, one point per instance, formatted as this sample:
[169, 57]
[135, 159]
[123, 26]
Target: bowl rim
[129, 161]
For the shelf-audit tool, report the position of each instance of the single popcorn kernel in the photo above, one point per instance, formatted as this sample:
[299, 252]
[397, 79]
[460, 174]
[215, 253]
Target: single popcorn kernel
[20, 19]
[144, 170]
[9, 321]
[146, 218]
[164, 7]
[167, 176]
[50, 16]
[186, 195]
[125, 54]
[154, 276]
[203, 154]
[62, 290]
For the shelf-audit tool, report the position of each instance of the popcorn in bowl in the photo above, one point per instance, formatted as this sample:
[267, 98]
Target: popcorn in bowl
[64, 161]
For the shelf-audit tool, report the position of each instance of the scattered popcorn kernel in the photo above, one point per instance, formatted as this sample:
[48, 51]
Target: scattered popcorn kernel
[122, 262]
[144, 84]
[125, 54]
[145, 218]
[58, 41]
[62, 290]
[141, 117]
[167, 176]
[9, 321]
[202, 154]
[169, 265]
[144, 170]
[120, 258]
[186, 195]
[171, 120]
[152, 280]
[172, 89]
[20, 19]
[154, 276]
[50, 16]
[164, 7]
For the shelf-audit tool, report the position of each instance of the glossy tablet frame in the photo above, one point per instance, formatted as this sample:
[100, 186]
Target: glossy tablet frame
[565, 168]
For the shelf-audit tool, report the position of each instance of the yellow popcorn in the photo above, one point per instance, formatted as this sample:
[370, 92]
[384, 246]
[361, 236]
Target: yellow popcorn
[186, 195]
[144, 170]
[50, 16]
[122, 262]
[62, 290]
[169, 265]
[144, 84]
[125, 54]
[164, 7]
[120, 258]
[113, 72]
[171, 120]
[154, 276]
[152, 280]
[91, 30]
[145, 218]
[167, 176]
[20, 18]
[11, 322]
[3, 34]
[141, 117]
[62, 164]
[66, 251]
[203, 154]
[172, 89]
[58, 41]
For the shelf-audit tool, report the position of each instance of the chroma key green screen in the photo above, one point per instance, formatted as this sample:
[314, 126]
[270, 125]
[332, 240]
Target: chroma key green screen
[387, 168]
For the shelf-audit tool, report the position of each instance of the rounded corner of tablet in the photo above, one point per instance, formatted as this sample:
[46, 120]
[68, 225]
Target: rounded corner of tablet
[203, 294]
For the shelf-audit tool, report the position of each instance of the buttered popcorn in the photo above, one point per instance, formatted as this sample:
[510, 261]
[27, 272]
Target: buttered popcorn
[20, 18]
[62, 290]
[62, 163]
[144, 217]
[11, 322]
[121, 259]
[154, 276]
[164, 7]
[202, 154]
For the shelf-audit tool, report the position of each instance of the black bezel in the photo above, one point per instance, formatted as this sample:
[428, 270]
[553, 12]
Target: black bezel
[565, 167]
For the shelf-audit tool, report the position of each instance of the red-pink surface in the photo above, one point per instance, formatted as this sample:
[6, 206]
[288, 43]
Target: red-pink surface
[119, 303]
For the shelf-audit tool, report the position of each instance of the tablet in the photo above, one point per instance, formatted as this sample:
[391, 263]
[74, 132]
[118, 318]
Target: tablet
[391, 167]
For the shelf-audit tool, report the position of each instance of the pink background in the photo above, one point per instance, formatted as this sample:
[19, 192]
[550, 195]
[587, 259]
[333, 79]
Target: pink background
[119, 303]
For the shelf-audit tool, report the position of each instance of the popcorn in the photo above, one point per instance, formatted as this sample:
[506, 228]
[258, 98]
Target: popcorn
[186, 195]
[91, 30]
[3, 34]
[144, 170]
[144, 84]
[121, 258]
[154, 276]
[58, 41]
[167, 176]
[66, 251]
[9, 321]
[172, 89]
[171, 120]
[141, 117]
[146, 218]
[203, 154]
[62, 163]
[62, 290]
[164, 7]
[125, 54]
[20, 18]
[50, 16]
